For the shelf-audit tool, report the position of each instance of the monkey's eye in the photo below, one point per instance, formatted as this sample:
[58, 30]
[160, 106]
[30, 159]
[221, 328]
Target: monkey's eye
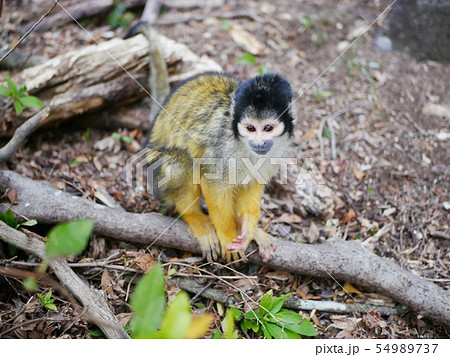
[251, 128]
[268, 128]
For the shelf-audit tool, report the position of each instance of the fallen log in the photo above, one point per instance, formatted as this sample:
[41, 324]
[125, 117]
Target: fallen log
[336, 259]
[107, 74]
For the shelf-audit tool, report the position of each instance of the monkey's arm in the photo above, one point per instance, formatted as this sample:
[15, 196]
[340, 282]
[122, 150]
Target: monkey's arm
[248, 212]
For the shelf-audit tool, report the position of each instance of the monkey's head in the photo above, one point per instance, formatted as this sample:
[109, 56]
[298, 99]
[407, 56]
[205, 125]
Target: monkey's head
[263, 117]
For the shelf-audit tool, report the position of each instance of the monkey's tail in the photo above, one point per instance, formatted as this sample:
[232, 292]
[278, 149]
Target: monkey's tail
[158, 79]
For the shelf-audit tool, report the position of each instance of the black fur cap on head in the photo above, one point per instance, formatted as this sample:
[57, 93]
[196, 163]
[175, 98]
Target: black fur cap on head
[265, 93]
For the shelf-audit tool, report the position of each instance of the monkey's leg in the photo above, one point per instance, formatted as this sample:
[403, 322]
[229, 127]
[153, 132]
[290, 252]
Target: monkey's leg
[201, 227]
[248, 210]
[219, 200]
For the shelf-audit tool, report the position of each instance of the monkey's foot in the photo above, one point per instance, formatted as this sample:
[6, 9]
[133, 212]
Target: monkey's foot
[266, 246]
[209, 245]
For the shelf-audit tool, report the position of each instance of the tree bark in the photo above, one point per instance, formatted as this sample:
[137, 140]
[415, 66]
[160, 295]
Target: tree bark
[109, 75]
[341, 260]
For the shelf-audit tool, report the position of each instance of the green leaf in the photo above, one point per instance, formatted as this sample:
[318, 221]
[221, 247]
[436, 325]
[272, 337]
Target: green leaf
[18, 107]
[246, 58]
[22, 90]
[177, 318]
[266, 302]
[97, 334]
[321, 95]
[148, 303]
[228, 325]
[307, 328]
[217, 335]
[12, 249]
[307, 22]
[51, 307]
[291, 335]
[68, 238]
[9, 219]
[11, 85]
[274, 330]
[48, 296]
[244, 328]
[30, 284]
[327, 133]
[237, 314]
[370, 191]
[5, 92]
[116, 136]
[266, 332]
[29, 223]
[126, 139]
[255, 328]
[31, 101]
[277, 305]
[263, 69]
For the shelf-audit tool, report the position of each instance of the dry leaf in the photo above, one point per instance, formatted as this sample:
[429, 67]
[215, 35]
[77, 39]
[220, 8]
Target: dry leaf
[145, 262]
[246, 40]
[12, 196]
[106, 283]
[349, 288]
[350, 215]
[360, 175]
[124, 318]
[279, 275]
[289, 218]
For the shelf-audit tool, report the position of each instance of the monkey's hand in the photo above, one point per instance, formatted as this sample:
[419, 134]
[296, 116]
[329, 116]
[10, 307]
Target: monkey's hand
[264, 241]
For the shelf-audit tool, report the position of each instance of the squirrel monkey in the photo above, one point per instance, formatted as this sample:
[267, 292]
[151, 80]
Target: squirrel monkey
[220, 134]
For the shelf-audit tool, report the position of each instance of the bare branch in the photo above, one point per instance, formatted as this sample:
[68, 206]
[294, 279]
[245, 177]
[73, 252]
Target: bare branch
[22, 133]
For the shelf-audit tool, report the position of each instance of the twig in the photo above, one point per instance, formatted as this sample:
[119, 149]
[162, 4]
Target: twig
[84, 265]
[151, 11]
[29, 31]
[22, 133]
[95, 305]
[28, 322]
[345, 261]
[329, 121]
[193, 286]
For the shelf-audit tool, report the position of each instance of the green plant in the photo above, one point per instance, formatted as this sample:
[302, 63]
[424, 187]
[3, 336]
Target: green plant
[119, 17]
[248, 58]
[307, 22]
[19, 97]
[8, 218]
[125, 138]
[64, 239]
[353, 68]
[272, 321]
[152, 320]
[321, 95]
[47, 301]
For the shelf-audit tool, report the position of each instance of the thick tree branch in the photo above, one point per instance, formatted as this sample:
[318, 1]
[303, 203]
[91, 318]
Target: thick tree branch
[107, 74]
[95, 305]
[341, 260]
